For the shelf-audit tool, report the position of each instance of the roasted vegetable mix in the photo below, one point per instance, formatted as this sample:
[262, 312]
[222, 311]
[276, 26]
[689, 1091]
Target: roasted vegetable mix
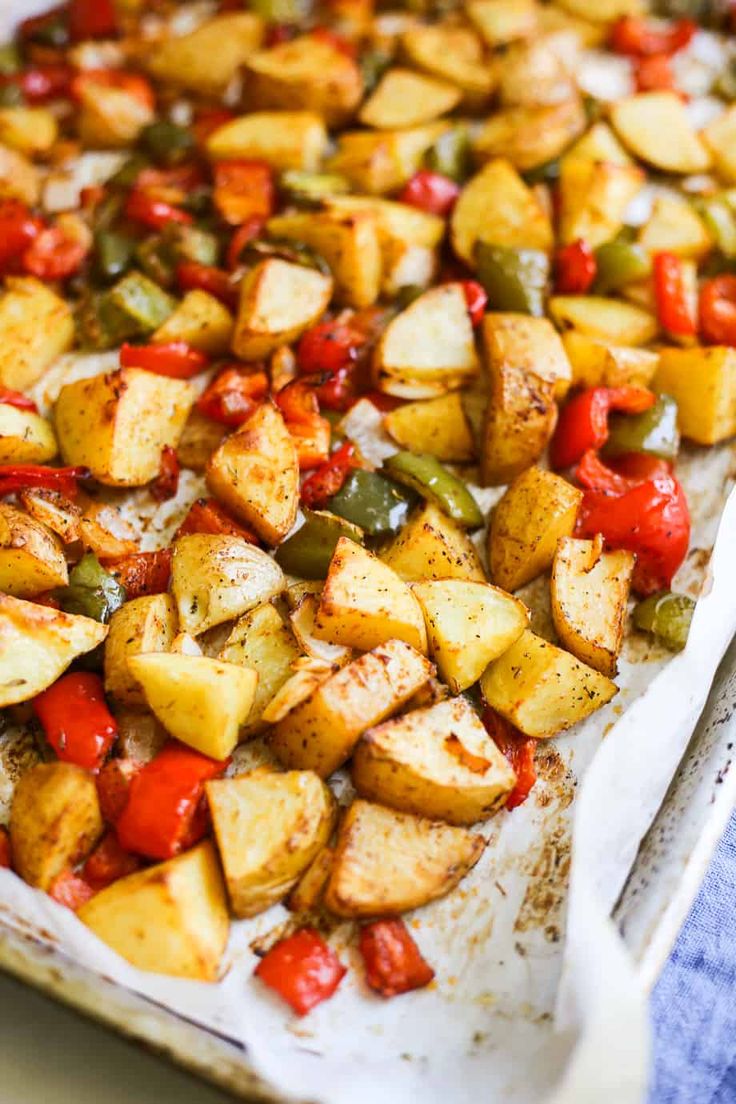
[365, 267]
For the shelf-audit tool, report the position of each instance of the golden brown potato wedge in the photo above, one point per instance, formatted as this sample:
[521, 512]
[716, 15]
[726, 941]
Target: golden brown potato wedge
[535, 512]
[496, 206]
[403, 98]
[597, 363]
[642, 122]
[599, 144]
[31, 557]
[286, 139]
[387, 862]
[25, 437]
[542, 689]
[437, 762]
[302, 620]
[675, 227]
[453, 53]
[603, 11]
[55, 821]
[200, 320]
[199, 439]
[503, 21]
[19, 177]
[607, 319]
[36, 327]
[143, 625]
[594, 197]
[307, 893]
[108, 117]
[379, 162]
[263, 642]
[530, 136]
[186, 61]
[269, 827]
[531, 73]
[277, 301]
[432, 546]
[30, 130]
[703, 384]
[438, 426]
[720, 138]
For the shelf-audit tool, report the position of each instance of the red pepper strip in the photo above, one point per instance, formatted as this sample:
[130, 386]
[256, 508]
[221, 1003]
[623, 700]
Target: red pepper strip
[108, 862]
[176, 359]
[476, 299]
[311, 432]
[17, 399]
[575, 268]
[166, 483]
[329, 477]
[583, 422]
[54, 255]
[154, 213]
[625, 472]
[113, 787]
[243, 190]
[650, 518]
[518, 749]
[70, 890]
[718, 310]
[192, 276]
[75, 719]
[163, 801]
[654, 74]
[209, 119]
[134, 84]
[233, 395]
[43, 82]
[18, 477]
[251, 228]
[673, 309]
[302, 969]
[6, 851]
[276, 33]
[207, 516]
[142, 573]
[328, 347]
[431, 192]
[92, 19]
[638, 38]
[393, 962]
[18, 228]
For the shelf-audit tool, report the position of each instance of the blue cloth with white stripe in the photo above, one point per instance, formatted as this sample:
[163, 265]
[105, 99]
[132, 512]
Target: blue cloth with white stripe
[694, 1002]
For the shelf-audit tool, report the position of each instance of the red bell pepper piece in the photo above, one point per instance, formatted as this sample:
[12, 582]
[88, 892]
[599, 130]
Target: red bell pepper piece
[113, 786]
[718, 310]
[163, 182]
[92, 19]
[382, 402]
[673, 309]
[29, 28]
[163, 800]
[70, 890]
[518, 749]
[209, 119]
[431, 192]
[6, 851]
[302, 969]
[625, 472]
[329, 477]
[393, 962]
[75, 719]
[311, 432]
[476, 299]
[134, 84]
[207, 516]
[233, 395]
[252, 228]
[583, 422]
[176, 359]
[648, 516]
[575, 268]
[54, 255]
[328, 347]
[19, 477]
[142, 573]
[332, 38]
[44, 82]
[109, 862]
[243, 190]
[166, 483]
[192, 276]
[638, 38]
[17, 399]
[154, 213]
[654, 74]
[18, 229]
[276, 33]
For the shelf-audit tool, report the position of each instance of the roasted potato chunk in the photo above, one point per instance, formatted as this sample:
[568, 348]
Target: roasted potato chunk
[25, 437]
[590, 589]
[453, 53]
[530, 136]
[641, 120]
[37, 644]
[30, 130]
[199, 439]
[200, 701]
[215, 578]
[379, 162]
[277, 301]
[286, 139]
[535, 512]
[720, 138]
[597, 363]
[108, 117]
[594, 197]
[542, 689]
[255, 474]
[143, 625]
[31, 557]
[117, 424]
[187, 60]
[468, 625]
[503, 21]
[320, 733]
[19, 177]
[364, 603]
[532, 74]
[438, 426]
[302, 620]
[496, 206]
[36, 327]
[269, 827]
[387, 862]
[607, 319]
[54, 821]
[437, 762]
[675, 227]
[703, 384]
[432, 546]
[263, 642]
[404, 98]
[170, 918]
[307, 893]
[201, 321]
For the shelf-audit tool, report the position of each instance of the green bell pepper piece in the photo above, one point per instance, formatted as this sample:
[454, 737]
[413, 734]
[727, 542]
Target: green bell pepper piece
[667, 617]
[52, 31]
[113, 254]
[514, 279]
[379, 506]
[654, 432]
[282, 11]
[718, 216]
[11, 96]
[373, 64]
[134, 307]
[92, 591]
[618, 263]
[129, 171]
[451, 155]
[406, 295]
[307, 189]
[153, 257]
[308, 552]
[425, 475]
[10, 59]
[547, 173]
[167, 143]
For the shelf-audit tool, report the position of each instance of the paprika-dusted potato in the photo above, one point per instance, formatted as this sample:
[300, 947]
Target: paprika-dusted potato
[201, 321]
[116, 424]
[19, 177]
[36, 327]
[379, 162]
[110, 117]
[503, 21]
[320, 733]
[37, 644]
[437, 762]
[31, 556]
[255, 474]
[309, 890]
[597, 363]
[146, 624]
[277, 301]
[170, 918]
[55, 821]
[25, 437]
[432, 546]
[535, 512]
[286, 139]
[302, 619]
[542, 689]
[496, 206]
[387, 862]
[674, 226]
[269, 826]
[262, 641]
[186, 60]
[530, 136]
[594, 196]
[438, 426]
[403, 98]
[453, 53]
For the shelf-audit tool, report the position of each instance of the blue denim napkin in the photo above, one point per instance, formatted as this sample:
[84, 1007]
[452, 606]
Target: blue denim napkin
[694, 1002]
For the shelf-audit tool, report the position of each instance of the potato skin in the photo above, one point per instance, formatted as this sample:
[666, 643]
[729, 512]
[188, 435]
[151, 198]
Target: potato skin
[703, 384]
[36, 327]
[25, 437]
[432, 546]
[186, 60]
[54, 821]
[262, 640]
[31, 557]
[146, 624]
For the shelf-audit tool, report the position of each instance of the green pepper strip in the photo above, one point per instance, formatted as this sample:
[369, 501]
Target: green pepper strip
[619, 263]
[666, 616]
[451, 155]
[308, 552]
[515, 279]
[653, 432]
[425, 475]
[113, 254]
[167, 143]
[376, 504]
[92, 591]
